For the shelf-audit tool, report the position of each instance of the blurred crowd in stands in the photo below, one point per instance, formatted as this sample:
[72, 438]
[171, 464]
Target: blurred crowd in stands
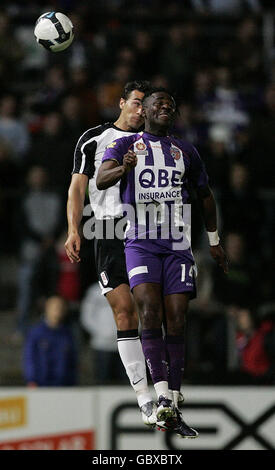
[215, 60]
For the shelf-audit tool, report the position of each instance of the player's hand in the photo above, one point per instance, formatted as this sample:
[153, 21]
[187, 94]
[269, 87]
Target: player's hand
[129, 160]
[72, 247]
[219, 256]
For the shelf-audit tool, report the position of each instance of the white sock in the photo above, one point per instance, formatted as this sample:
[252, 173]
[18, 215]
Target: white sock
[162, 389]
[131, 354]
[143, 396]
[170, 394]
[175, 397]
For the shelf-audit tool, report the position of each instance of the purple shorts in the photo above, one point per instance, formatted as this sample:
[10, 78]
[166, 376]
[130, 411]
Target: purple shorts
[173, 271]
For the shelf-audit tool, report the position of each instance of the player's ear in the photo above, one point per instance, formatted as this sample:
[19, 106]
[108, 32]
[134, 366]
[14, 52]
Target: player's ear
[143, 114]
[122, 103]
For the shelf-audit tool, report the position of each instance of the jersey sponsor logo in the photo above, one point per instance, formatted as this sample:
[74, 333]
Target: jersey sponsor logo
[104, 278]
[161, 178]
[159, 195]
[175, 153]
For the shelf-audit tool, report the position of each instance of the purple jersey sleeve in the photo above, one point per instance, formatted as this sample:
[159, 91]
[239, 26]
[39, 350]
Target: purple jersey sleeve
[197, 173]
[117, 149]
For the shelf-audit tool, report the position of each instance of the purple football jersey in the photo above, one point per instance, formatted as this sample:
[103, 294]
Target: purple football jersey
[157, 189]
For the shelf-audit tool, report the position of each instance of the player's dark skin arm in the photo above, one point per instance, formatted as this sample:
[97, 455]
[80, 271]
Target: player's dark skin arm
[110, 172]
[209, 212]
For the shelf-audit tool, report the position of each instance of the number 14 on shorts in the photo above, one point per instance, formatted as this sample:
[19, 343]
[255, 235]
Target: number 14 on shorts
[191, 273]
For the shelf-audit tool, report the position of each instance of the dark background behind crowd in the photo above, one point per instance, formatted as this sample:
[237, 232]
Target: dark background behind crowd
[220, 59]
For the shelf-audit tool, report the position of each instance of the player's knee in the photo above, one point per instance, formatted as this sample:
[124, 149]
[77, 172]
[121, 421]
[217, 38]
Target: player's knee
[150, 310]
[150, 316]
[125, 317]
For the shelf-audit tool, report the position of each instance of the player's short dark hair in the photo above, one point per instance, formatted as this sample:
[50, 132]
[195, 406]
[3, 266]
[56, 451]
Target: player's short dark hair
[139, 85]
[153, 90]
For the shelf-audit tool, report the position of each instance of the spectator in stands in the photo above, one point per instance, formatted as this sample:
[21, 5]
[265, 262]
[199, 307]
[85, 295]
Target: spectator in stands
[80, 87]
[203, 90]
[246, 56]
[188, 126]
[11, 52]
[160, 81]
[9, 191]
[207, 330]
[240, 207]
[238, 287]
[127, 55]
[74, 122]
[50, 357]
[52, 91]
[179, 56]
[109, 91]
[146, 54]
[77, 54]
[216, 156]
[240, 146]
[263, 140]
[32, 67]
[38, 225]
[52, 150]
[68, 281]
[227, 7]
[12, 128]
[227, 107]
[97, 319]
[256, 348]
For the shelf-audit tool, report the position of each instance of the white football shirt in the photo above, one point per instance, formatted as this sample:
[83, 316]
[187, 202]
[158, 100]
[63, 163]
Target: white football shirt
[88, 155]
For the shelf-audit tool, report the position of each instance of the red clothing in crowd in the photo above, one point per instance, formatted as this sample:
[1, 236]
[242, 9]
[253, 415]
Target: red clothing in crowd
[68, 284]
[254, 359]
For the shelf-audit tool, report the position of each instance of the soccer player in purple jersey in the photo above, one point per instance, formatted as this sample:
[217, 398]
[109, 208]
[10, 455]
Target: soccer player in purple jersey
[157, 169]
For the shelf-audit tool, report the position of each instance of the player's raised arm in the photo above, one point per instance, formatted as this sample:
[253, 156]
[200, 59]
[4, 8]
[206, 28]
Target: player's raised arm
[111, 171]
[209, 211]
[75, 205]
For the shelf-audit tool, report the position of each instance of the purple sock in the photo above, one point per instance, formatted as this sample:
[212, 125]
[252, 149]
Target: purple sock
[175, 356]
[153, 347]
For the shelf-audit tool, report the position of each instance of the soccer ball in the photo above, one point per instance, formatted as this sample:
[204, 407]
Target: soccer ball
[54, 31]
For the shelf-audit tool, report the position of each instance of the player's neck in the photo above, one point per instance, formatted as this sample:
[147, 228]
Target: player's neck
[161, 132]
[122, 124]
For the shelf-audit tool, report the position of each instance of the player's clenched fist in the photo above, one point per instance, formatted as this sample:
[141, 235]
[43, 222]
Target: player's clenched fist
[129, 160]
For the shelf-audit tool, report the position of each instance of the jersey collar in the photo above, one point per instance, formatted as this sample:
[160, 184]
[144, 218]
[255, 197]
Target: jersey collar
[155, 137]
[122, 130]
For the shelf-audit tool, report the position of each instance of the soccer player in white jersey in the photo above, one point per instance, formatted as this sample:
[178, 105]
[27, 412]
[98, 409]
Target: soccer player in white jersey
[156, 171]
[109, 253]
